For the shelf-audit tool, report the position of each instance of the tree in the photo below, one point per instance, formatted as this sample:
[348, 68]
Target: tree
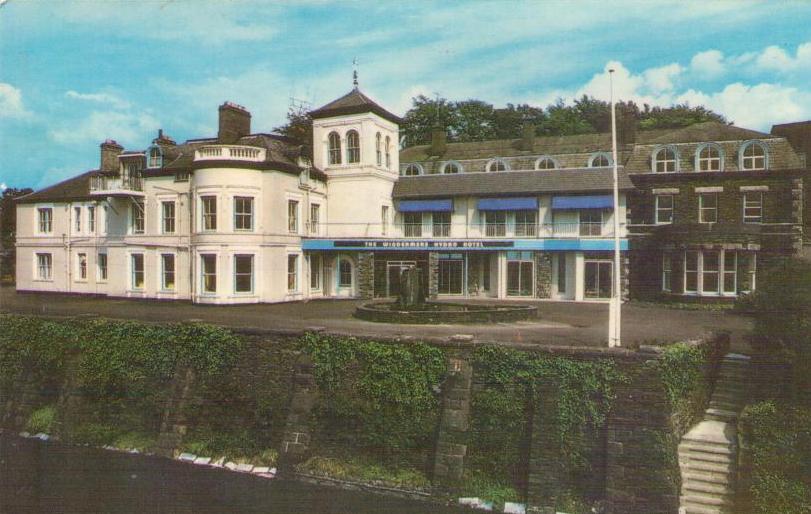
[680, 115]
[426, 114]
[8, 230]
[299, 127]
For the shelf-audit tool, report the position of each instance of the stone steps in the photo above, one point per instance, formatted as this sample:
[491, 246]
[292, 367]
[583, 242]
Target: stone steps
[708, 454]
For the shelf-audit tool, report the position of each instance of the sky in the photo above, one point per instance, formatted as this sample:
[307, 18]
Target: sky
[74, 73]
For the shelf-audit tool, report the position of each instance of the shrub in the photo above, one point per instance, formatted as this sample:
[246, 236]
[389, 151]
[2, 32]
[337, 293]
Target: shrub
[41, 420]
[364, 470]
[779, 441]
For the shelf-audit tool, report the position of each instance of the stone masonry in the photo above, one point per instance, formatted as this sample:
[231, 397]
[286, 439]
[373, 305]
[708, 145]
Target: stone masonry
[296, 439]
[543, 274]
[451, 447]
[366, 274]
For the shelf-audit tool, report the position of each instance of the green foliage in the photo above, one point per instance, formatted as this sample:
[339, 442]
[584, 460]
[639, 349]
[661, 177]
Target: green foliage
[376, 397]
[681, 369]
[138, 440]
[779, 439]
[364, 470]
[41, 420]
[478, 484]
[511, 380]
[33, 345]
[94, 434]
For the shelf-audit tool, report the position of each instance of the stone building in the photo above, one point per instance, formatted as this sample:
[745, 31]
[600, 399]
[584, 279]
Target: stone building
[244, 217]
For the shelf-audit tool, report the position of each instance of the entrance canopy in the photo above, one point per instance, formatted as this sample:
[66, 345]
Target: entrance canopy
[507, 204]
[583, 202]
[443, 205]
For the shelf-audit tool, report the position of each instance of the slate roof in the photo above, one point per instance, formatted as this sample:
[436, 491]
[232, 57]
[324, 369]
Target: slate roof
[74, 189]
[581, 180]
[354, 102]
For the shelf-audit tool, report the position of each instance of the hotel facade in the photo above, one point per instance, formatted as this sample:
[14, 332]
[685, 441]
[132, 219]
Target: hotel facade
[246, 217]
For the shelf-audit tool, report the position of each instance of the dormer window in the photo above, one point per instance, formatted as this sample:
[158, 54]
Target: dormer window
[754, 156]
[352, 147]
[599, 160]
[451, 167]
[334, 148]
[497, 165]
[379, 148]
[412, 170]
[709, 158]
[546, 163]
[665, 160]
[154, 157]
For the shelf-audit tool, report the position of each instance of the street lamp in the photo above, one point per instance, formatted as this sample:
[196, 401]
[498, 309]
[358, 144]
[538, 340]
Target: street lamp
[615, 306]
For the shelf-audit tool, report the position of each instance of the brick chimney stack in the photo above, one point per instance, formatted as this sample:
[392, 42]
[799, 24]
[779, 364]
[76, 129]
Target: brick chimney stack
[439, 141]
[235, 122]
[110, 150]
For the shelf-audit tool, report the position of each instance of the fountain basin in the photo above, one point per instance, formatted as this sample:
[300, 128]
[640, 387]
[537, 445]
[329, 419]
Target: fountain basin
[440, 312]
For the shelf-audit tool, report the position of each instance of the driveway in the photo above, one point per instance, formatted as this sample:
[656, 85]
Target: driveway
[558, 323]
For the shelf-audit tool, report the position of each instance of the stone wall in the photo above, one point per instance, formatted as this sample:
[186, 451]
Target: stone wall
[366, 274]
[433, 275]
[543, 274]
[451, 450]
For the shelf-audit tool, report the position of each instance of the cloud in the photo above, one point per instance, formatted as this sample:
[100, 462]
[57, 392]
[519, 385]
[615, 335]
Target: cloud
[104, 98]
[11, 102]
[774, 58]
[125, 127]
[709, 64]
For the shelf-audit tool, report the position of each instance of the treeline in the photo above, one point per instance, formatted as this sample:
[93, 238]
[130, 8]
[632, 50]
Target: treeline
[477, 120]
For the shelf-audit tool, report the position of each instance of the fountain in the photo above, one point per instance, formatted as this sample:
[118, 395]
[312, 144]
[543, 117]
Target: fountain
[411, 307]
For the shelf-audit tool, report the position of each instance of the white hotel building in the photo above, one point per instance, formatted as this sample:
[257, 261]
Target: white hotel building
[244, 217]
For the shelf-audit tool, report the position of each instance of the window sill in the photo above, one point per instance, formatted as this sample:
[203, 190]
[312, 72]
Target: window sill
[46, 280]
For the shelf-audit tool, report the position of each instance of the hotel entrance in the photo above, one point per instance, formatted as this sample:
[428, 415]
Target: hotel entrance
[451, 274]
[598, 283]
[389, 266]
[520, 274]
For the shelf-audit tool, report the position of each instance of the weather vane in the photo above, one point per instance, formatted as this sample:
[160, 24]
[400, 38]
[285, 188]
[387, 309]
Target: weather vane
[355, 72]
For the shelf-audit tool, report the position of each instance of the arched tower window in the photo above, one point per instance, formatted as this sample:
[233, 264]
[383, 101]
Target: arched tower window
[754, 156]
[379, 148]
[352, 147]
[665, 160]
[388, 152]
[451, 167]
[709, 157]
[155, 157]
[334, 148]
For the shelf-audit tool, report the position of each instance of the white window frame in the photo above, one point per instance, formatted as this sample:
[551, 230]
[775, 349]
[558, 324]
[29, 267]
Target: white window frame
[702, 208]
[252, 274]
[44, 266]
[384, 220]
[341, 283]
[163, 273]
[208, 219]
[412, 166]
[316, 265]
[665, 161]
[757, 204]
[658, 209]
[91, 219]
[294, 274]
[205, 273]
[315, 218]
[134, 271]
[546, 158]
[743, 158]
[293, 215]
[81, 267]
[334, 156]
[353, 147]
[102, 271]
[251, 201]
[388, 152]
[165, 218]
[77, 219]
[597, 155]
[45, 219]
[494, 162]
[667, 272]
[379, 148]
[709, 160]
[137, 206]
[459, 168]
[156, 160]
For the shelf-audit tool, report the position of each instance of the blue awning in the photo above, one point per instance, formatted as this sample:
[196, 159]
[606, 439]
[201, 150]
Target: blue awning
[445, 205]
[583, 202]
[507, 204]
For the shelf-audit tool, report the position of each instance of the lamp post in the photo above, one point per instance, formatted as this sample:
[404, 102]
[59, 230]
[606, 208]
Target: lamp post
[615, 306]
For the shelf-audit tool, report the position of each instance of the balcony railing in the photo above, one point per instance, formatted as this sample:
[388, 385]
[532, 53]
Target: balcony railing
[412, 229]
[490, 230]
[108, 185]
[230, 153]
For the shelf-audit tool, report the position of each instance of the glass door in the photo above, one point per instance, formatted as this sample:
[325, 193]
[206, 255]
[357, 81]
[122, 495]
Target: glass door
[598, 279]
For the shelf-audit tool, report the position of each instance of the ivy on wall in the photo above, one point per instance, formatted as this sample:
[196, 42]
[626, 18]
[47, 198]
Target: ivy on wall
[375, 397]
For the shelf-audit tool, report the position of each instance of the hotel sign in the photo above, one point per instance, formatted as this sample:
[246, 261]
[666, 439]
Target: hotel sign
[418, 245]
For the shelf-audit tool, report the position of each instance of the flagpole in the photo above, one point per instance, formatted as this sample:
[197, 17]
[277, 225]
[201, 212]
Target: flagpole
[615, 306]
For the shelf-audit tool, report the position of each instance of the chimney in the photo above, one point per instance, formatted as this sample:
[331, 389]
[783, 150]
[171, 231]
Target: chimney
[110, 150]
[626, 127]
[528, 137]
[798, 134]
[235, 122]
[439, 141]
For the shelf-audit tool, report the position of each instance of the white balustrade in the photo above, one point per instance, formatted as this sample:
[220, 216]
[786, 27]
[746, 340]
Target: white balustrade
[230, 153]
